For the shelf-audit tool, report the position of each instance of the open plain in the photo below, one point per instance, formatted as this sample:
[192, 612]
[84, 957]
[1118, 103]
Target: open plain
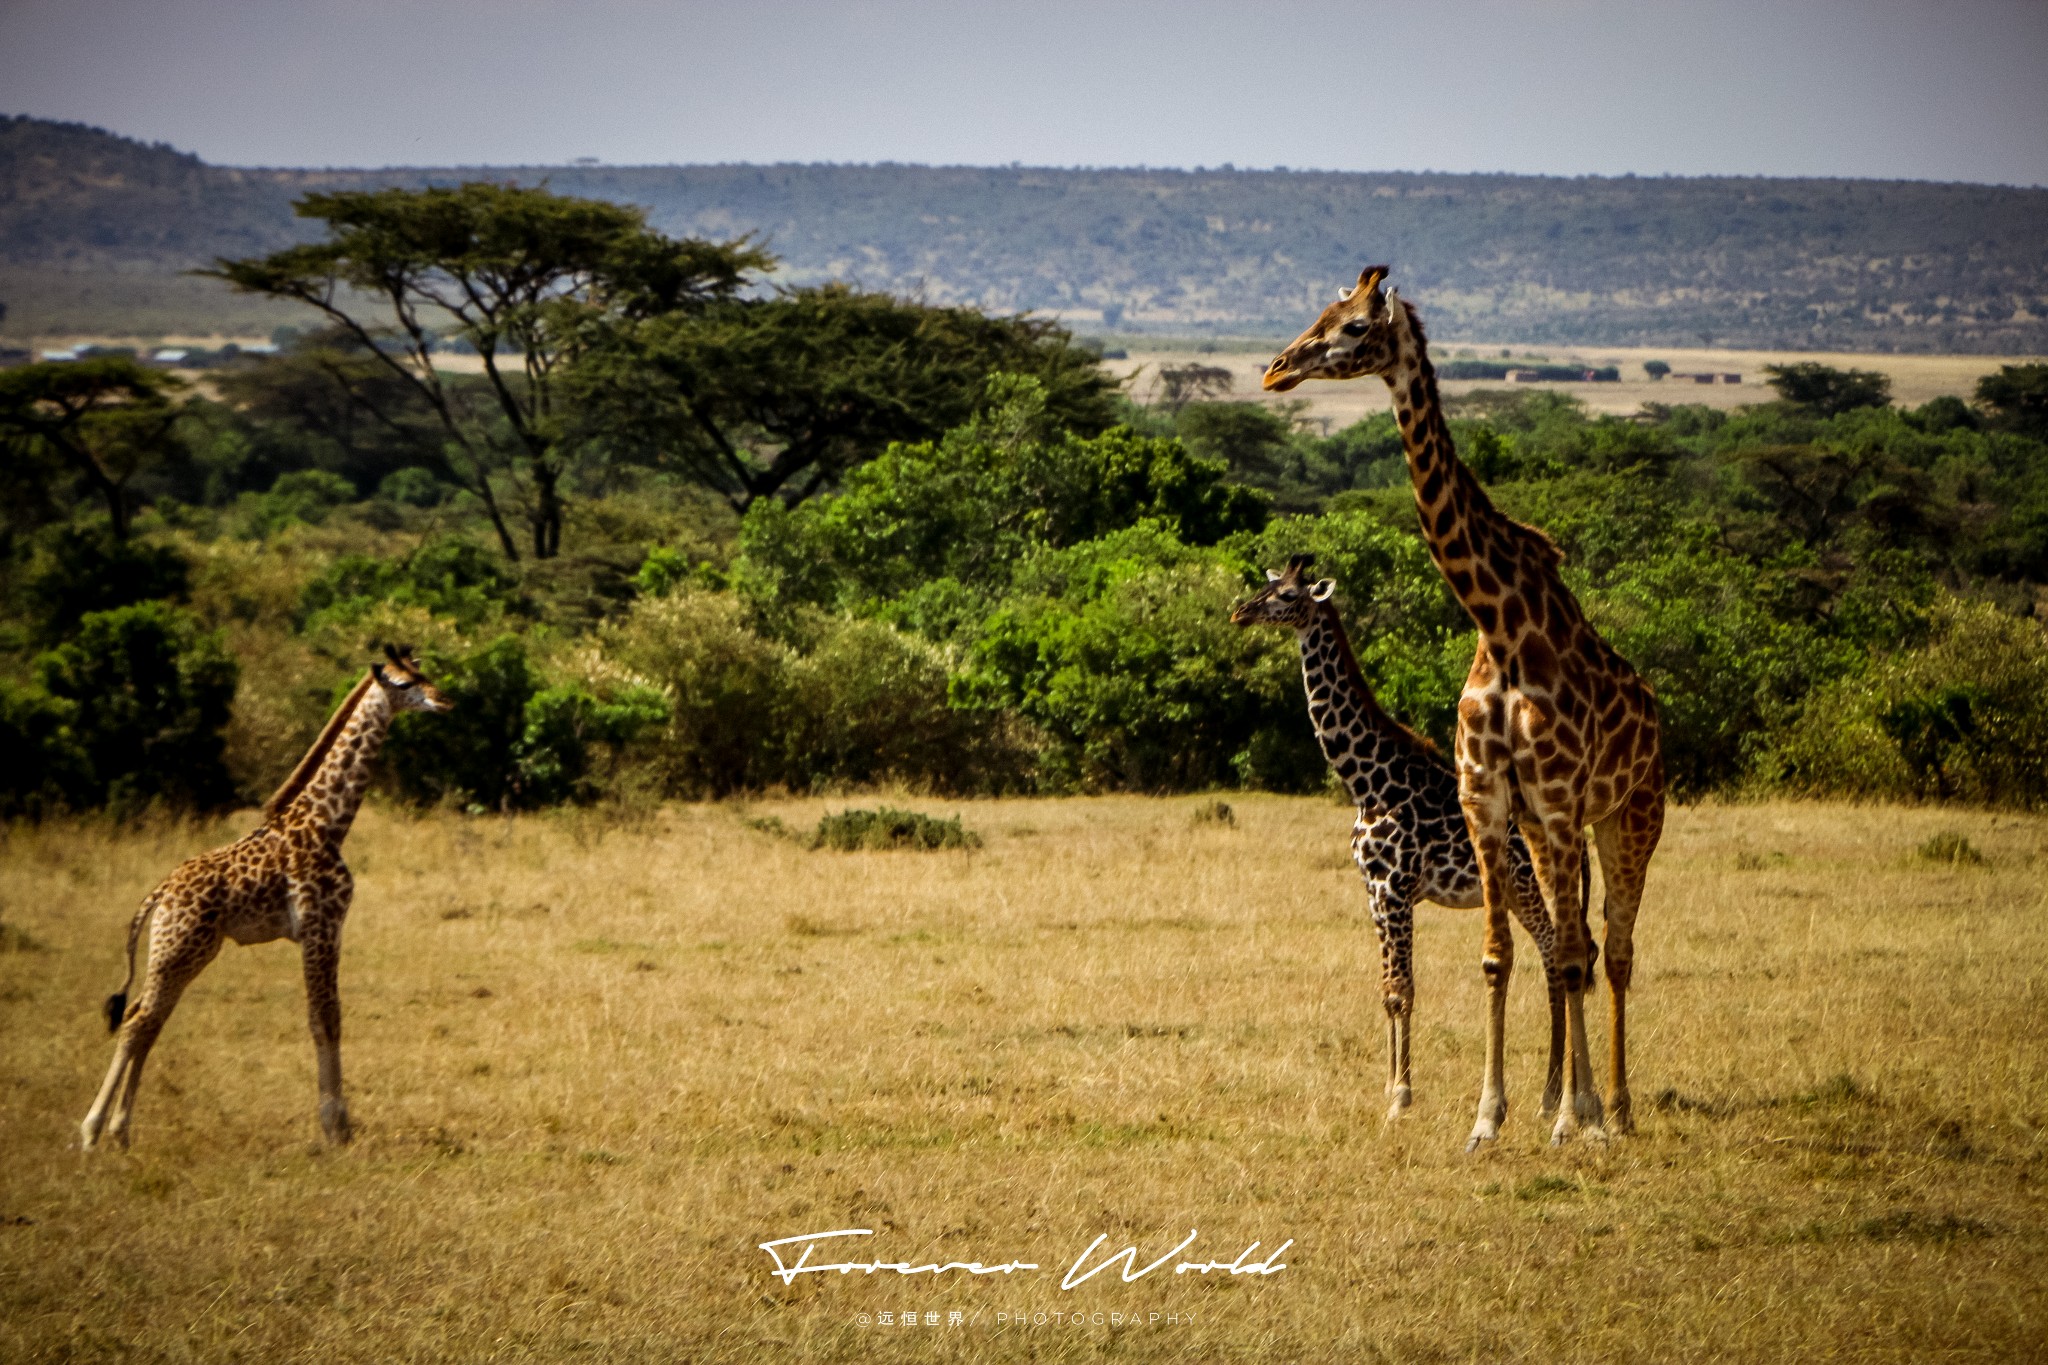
[594, 1061]
[1915, 378]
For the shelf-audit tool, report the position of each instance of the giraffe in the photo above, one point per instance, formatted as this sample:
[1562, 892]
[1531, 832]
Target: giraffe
[284, 879]
[1409, 840]
[1556, 732]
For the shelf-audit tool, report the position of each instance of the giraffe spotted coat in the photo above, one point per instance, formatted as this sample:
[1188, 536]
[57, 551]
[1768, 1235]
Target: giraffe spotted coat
[1409, 840]
[1556, 732]
[284, 879]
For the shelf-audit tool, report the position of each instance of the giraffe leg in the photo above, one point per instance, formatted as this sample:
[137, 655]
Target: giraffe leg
[96, 1117]
[1535, 918]
[1485, 799]
[320, 952]
[177, 953]
[1559, 855]
[1626, 840]
[1393, 915]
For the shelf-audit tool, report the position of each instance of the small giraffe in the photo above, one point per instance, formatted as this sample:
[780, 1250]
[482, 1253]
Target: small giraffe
[285, 879]
[1409, 841]
[1556, 732]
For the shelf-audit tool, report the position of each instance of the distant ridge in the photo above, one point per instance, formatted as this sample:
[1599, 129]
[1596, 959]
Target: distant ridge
[1820, 264]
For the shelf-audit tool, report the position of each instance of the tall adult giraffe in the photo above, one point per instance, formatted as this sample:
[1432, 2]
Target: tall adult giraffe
[1409, 840]
[284, 879]
[1556, 732]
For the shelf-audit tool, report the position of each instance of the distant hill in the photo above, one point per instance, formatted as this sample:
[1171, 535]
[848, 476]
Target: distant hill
[1834, 264]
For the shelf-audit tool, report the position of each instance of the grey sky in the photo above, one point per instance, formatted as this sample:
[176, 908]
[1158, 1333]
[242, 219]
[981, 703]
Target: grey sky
[1956, 90]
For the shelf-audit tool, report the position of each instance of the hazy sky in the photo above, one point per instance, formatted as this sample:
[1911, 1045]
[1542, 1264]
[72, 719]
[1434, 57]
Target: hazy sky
[1956, 90]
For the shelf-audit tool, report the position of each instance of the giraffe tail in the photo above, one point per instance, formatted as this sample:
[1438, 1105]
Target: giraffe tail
[1586, 906]
[117, 1003]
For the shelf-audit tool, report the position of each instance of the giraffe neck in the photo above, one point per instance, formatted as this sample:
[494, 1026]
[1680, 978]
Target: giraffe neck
[334, 793]
[1479, 551]
[1357, 735]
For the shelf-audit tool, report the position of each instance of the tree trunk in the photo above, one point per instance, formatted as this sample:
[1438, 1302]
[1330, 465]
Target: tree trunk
[88, 465]
[547, 512]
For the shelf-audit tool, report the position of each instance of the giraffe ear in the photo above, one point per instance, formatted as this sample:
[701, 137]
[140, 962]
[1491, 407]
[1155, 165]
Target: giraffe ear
[1321, 591]
[383, 678]
[1272, 575]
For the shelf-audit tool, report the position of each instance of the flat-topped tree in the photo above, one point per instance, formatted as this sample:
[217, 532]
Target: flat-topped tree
[104, 419]
[779, 397]
[1556, 732]
[521, 275]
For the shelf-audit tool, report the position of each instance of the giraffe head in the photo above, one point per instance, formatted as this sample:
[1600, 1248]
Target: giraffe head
[1354, 336]
[1290, 598]
[402, 681]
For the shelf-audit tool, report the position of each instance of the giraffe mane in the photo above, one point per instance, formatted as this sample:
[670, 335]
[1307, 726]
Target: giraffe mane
[310, 764]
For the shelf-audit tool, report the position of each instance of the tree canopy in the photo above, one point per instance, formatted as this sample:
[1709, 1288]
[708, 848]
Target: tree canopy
[781, 396]
[521, 276]
[103, 419]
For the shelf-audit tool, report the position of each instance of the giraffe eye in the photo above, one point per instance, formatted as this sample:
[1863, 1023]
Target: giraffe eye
[1289, 595]
[1354, 329]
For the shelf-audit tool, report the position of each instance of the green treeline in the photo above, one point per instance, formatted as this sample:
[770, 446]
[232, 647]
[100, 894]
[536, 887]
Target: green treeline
[685, 538]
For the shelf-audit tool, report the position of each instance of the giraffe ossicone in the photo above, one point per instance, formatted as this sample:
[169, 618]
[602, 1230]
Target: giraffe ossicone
[1409, 839]
[284, 879]
[1556, 732]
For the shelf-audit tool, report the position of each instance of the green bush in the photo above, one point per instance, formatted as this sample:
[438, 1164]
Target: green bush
[1964, 716]
[150, 693]
[303, 495]
[869, 705]
[84, 569]
[967, 508]
[470, 754]
[1122, 652]
[43, 767]
[564, 727]
[449, 576]
[852, 831]
[511, 741]
[729, 691]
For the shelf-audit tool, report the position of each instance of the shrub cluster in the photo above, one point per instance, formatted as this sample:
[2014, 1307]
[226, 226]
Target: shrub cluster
[851, 831]
[1829, 594]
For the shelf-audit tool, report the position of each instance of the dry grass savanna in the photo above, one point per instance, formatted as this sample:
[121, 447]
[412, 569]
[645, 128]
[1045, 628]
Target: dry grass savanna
[1915, 378]
[594, 1062]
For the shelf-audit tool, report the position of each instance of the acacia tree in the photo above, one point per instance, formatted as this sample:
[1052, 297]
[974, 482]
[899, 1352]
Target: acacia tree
[779, 396]
[524, 277]
[105, 418]
[1826, 391]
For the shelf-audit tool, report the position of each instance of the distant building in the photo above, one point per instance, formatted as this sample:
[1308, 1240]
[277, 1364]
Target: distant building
[55, 357]
[1522, 376]
[169, 355]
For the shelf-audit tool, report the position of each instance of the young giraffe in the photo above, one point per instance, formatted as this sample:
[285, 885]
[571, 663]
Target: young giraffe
[1410, 841]
[285, 879]
[1555, 731]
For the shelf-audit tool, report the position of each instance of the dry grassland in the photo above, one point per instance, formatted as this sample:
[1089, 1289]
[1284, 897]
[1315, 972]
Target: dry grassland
[594, 1064]
[1915, 378]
